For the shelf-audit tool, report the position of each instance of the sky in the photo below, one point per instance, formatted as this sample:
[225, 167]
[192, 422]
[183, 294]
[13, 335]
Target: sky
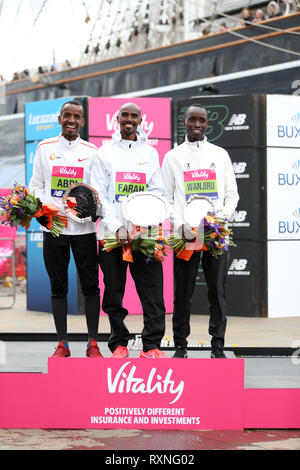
[31, 31]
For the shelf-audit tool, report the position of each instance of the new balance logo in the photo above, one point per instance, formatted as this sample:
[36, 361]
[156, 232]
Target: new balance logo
[237, 120]
[238, 264]
[238, 267]
[238, 216]
[239, 169]
[238, 219]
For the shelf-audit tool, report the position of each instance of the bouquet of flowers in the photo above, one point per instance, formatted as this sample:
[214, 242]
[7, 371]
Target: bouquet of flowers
[215, 237]
[152, 244]
[20, 207]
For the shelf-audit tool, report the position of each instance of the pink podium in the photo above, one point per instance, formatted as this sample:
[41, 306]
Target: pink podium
[83, 393]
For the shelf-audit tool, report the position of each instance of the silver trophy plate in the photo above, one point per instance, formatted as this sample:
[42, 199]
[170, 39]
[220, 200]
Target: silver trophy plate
[145, 209]
[86, 197]
[196, 209]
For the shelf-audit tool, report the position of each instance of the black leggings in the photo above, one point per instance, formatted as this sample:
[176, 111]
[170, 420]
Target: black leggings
[185, 272]
[148, 279]
[56, 251]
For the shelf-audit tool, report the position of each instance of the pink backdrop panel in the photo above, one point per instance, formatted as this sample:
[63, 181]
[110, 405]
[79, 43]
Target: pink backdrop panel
[5, 230]
[156, 115]
[6, 247]
[23, 399]
[131, 299]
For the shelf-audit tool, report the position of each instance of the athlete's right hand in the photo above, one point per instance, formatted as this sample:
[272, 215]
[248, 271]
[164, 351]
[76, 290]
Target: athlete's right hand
[123, 236]
[186, 233]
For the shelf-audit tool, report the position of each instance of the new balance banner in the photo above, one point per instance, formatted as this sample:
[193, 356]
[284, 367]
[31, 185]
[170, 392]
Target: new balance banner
[246, 282]
[234, 121]
[248, 222]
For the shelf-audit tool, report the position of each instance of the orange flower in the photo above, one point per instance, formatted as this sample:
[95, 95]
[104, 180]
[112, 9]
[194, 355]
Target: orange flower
[159, 255]
[213, 235]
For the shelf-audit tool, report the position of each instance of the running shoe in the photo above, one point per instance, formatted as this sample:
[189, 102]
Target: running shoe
[153, 354]
[217, 353]
[62, 350]
[180, 353]
[93, 350]
[120, 352]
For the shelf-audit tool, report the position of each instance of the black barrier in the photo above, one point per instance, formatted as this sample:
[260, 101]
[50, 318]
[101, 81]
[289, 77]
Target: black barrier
[237, 123]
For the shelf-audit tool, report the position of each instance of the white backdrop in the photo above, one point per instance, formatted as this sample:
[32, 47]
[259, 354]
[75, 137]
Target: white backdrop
[283, 204]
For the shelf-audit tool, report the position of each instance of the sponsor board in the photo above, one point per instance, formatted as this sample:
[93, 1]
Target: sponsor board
[283, 182]
[283, 278]
[103, 113]
[246, 287]
[248, 222]
[41, 119]
[129, 394]
[38, 284]
[136, 394]
[231, 120]
[157, 125]
[283, 121]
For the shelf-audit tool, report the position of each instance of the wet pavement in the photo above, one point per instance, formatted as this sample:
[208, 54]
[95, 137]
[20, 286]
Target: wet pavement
[138, 440]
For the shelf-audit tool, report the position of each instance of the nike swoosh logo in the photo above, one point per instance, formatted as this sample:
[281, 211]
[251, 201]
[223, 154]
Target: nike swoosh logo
[142, 163]
[82, 159]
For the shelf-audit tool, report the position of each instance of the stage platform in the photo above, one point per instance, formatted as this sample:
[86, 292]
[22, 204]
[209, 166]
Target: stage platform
[266, 344]
[260, 372]
[259, 380]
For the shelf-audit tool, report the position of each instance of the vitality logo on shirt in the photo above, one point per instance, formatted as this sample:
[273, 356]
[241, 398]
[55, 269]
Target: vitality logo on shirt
[62, 177]
[128, 182]
[200, 182]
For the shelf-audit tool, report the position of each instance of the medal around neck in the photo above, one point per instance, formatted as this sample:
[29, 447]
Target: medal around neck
[196, 209]
[145, 209]
[81, 203]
